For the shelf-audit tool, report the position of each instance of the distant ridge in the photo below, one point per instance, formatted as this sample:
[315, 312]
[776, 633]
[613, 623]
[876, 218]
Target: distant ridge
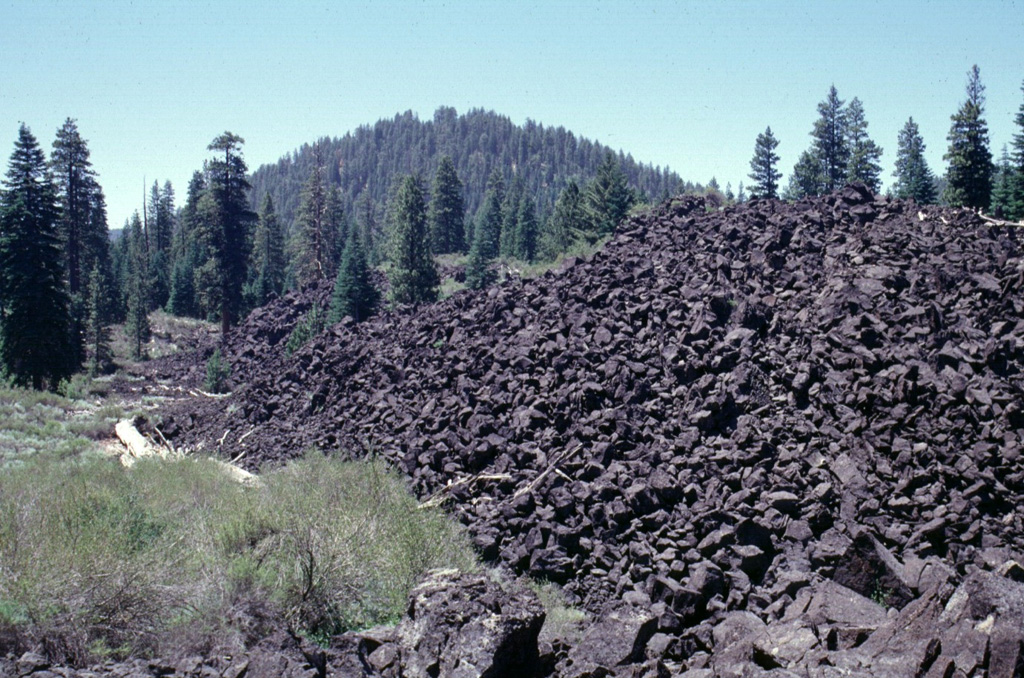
[364, 161]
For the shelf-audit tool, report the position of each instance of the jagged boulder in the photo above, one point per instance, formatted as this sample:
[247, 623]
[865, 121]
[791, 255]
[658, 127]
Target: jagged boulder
[463, 625]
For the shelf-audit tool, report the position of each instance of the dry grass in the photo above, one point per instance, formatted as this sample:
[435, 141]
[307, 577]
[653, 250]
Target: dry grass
[97, 560]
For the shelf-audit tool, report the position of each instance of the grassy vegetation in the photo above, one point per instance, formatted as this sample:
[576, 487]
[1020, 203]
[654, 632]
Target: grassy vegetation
[39, 422]
[98, 560]
[562, 620]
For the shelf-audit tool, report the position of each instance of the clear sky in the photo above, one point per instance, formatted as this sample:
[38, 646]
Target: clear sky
[683, 84]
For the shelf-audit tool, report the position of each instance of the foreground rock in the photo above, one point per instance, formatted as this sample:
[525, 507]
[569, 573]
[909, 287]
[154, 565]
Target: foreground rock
[714, 414]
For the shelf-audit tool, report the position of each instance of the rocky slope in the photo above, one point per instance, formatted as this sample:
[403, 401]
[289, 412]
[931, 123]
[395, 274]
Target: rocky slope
[720, 414]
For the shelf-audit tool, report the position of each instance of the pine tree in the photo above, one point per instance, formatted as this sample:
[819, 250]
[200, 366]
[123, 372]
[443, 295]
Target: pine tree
[187, 252]
[478, 270]
[969, 175]
[36, 343]
[1002, 188]
[763, 166]
[82, 224]
[225, 221]
[97, 325]
[354, 294]
[1016, 211]
[913, 177]
[337, 232]
[268, 255]
[830, 141]
[487, 235]
[525, 244]
[741, 193]
[566, 224]
[157, 225]
[414, 278]
[137, 327]
[447, 210]
[607, 199]
[312, 248]
[83, 239]
[864, 153]
[510, 218]
[807, 178]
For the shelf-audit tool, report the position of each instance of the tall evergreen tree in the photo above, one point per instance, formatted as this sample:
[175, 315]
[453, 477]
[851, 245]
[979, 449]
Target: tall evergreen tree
[447, 210]
[268, 262]
[225, 225]
[763, 166]
[807, 178]
[1016, 211]
[566, 224]
[84, 241]
[337, 232]
[510, 217]
[187, 252]
[1002, 188]
[160, 220]
[830, 141]
[525, 244]
[36, 343]
[354, 294]
[97, 324]
[137, 327]
[82, 224]
[478, 269]
[414, 278]
[312, 248]
[969, 175]
[864, 152]
[913, 177]
[490, 218]
[608, 198]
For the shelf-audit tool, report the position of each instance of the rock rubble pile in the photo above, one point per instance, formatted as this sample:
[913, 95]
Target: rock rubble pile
[730, 421]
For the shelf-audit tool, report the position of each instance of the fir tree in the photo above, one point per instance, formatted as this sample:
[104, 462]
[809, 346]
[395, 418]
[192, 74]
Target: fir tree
[160, 220]
[969, 175]
[830, 145]
[82, 223]
[608, 198]
[268, 255]
[741, 193]
[763, 166]
[447, 210]
[566, 224]
[414, 278]
[36, 343]
[97, 325]
[913, 177]
[807, 178]
[137, 326]
[337, 232]
[487, 235]
[313, 247]
[354, 294]
[187, 252]
[864, 153]
[479, 273]
[525, 248]
[1002, 188]
[225, 221]
[1016, 211]
[510, 218]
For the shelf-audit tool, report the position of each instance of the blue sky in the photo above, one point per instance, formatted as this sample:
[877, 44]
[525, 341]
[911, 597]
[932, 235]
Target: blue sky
[683, 84]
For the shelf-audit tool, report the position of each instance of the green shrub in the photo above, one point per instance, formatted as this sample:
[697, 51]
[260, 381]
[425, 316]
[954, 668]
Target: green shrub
[217, 373]
[100, 561]
[311, 324]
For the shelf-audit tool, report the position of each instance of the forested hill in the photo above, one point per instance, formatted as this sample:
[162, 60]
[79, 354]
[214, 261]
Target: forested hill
[365, 161]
